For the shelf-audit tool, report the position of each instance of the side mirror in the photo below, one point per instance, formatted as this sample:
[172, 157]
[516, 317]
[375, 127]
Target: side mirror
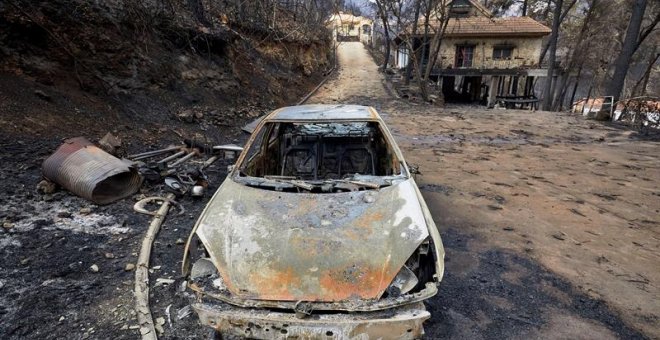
[414, 169]
[228, 151]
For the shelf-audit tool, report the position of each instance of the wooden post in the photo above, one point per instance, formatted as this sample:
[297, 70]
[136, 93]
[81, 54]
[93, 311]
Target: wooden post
[492, 91]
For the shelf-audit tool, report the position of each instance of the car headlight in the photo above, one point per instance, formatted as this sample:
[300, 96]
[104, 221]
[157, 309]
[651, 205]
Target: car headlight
[404, 281]
[418, 270]
[203, 269]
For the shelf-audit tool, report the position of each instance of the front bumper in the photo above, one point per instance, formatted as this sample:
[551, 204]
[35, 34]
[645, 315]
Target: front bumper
[403, 322]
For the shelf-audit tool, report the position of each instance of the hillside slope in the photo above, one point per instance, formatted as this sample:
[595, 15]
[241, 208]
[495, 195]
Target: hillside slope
[87, 67]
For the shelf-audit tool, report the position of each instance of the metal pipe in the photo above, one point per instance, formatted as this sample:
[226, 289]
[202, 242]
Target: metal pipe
[183, 159]
[209, 162]
[169, 158]
[145, 319]
[153, 153]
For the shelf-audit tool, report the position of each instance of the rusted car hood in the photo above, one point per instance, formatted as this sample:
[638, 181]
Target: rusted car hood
[273, 245]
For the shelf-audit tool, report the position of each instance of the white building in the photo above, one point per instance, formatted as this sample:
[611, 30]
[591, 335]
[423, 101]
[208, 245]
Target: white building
[348, 27]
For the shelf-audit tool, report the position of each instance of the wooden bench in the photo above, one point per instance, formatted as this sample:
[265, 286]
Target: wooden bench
[521, 102]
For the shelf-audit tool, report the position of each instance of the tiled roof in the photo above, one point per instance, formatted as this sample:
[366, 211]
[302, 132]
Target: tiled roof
[506, 26]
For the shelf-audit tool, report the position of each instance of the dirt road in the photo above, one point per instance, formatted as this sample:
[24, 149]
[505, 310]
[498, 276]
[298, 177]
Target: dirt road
[550, 222]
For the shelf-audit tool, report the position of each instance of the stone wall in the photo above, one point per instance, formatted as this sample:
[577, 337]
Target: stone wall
[526, 52]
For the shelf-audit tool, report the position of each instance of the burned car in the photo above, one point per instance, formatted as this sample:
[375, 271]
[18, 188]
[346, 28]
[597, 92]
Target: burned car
[319, 231]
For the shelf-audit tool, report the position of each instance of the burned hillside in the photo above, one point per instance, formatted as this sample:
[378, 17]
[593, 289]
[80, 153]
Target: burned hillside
[149, 60]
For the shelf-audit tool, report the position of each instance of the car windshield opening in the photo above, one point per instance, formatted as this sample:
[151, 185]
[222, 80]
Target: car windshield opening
[320, 157]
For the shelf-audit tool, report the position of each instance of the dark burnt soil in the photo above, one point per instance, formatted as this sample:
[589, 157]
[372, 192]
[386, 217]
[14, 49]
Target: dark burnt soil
[50, 292]
[490, 293]
[48, 244]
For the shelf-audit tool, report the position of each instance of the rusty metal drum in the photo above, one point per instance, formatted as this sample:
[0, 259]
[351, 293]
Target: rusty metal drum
[91, 173]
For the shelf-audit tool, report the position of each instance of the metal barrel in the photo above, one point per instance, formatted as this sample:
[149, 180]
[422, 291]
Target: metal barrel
[91, 173]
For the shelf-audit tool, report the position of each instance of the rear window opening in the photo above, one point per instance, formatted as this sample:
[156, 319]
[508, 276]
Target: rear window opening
[308, 155]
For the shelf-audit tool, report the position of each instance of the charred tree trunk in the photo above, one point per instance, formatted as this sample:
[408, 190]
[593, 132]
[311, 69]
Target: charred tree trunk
[630, 43]
[547, 90]
[645, 77]
[561, 19]
[411, 43]
[382, 12]
[561, 94]
[559, 99]
[546, 11]
[434, 47]
[387, 49]
[575, 86]
[421, 79]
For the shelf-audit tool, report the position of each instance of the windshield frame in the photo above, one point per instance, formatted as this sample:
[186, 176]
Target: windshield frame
[404, 172]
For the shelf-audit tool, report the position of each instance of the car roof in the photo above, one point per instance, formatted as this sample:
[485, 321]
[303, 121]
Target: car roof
[324, 112]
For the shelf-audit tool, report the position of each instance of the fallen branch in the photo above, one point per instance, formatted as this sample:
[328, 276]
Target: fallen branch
[145, 320]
